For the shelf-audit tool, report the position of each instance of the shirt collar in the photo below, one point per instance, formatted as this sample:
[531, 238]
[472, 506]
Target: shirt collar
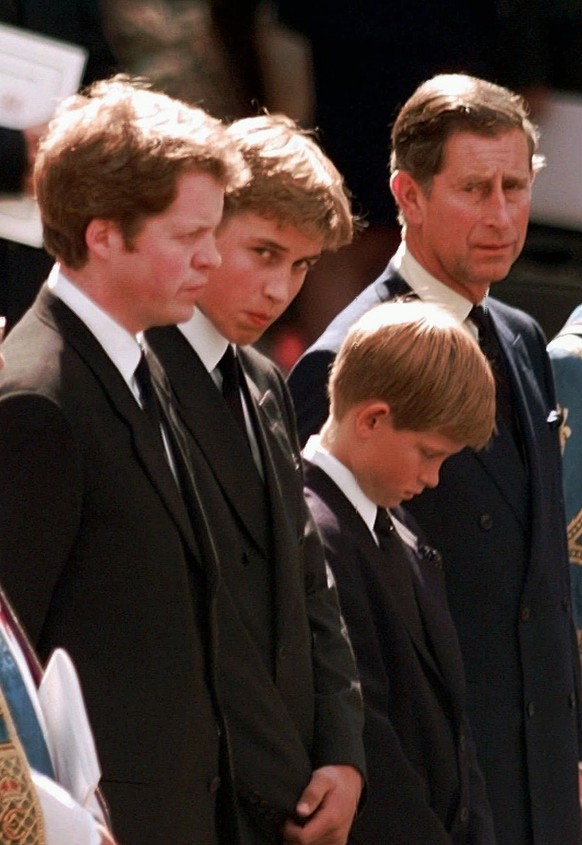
[204, 339]
[426, 287]
[121, 347]
[343, 477]
[318, 455]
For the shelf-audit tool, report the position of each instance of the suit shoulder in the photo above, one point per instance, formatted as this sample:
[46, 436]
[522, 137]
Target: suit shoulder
[329, 508]
[325, 517]
[514, 317]
[33, 359]
[260, 365]
[332, 337]
[267, 376]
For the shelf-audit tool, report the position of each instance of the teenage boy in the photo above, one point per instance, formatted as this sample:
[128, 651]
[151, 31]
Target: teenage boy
[287, 676]
[409, 387]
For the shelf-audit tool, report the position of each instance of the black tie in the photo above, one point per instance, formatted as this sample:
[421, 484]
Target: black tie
[149, 401]
[491, 348]
[161, 421]
[398, 573]
[228, 367]
[384, 529]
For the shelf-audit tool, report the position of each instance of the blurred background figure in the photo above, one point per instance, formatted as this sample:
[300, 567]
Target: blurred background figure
[23, 268]
[367, 59]
[231, 57]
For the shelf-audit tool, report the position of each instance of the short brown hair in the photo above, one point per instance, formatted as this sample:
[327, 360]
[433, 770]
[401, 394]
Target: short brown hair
[450, 103]
[424, 364]
[292, 180]
[116, 152]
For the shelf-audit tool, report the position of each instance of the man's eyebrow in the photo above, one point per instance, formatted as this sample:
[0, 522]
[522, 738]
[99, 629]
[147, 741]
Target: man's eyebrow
[278, 247]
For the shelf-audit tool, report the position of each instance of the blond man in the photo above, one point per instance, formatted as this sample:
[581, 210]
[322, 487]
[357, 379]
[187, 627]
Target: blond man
[288, 679]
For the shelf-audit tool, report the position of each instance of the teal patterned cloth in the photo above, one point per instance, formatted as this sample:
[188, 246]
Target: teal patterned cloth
[565, 352]
[22, 711]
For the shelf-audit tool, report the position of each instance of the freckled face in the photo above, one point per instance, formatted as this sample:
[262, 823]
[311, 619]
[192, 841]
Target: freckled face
[263, 268]
[399, 464]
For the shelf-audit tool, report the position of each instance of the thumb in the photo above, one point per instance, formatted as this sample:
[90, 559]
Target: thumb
[311, 798]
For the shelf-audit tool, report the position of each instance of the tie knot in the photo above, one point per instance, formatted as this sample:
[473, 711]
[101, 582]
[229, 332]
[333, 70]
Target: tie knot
[143, 378]
[479, 316]
[227, 366]
[149, 401]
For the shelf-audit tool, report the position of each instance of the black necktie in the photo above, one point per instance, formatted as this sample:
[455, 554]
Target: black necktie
[398, 573]
[162, 420]
[384, 529]
[228, 367]
[149, 401]
[491, 348]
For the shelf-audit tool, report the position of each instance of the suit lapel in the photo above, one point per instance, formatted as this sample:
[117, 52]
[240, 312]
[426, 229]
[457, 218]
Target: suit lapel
[502, 460]
[425, 646]
[279, 466]
[435, 662]
[439, 650]
[209, 422]
[431, 595]
[282, 485]
[147, 447]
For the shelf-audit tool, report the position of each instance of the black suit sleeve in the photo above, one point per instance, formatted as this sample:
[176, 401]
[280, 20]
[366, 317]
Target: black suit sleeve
[338, 707]
[339, 716]
[40, 503]
[308, 385]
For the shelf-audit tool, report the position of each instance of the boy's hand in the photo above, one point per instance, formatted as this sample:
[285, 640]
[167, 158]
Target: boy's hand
[328, 805]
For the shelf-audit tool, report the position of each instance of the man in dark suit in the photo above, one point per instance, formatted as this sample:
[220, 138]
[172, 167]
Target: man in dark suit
[105, 547]
[286, 671]
[409, 388]
[463, 163]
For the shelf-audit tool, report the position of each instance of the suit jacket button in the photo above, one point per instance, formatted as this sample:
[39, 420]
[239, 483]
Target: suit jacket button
[531, 709]
[486, 522]
[525, 614]
[214, 784]
[464, 814]
[572, 700]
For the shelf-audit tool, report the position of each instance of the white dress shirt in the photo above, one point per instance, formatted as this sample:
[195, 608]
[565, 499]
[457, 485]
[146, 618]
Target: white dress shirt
[429, 289]
[210, 346]
[343, 477]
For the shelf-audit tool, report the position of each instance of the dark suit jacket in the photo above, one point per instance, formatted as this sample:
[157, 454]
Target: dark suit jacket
[423, 781]
[287, 676]
[99, 556]
[497, 520]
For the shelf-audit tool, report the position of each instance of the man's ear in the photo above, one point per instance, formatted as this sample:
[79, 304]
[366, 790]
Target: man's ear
[408, 195]
[369, 416]
[100, 235]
